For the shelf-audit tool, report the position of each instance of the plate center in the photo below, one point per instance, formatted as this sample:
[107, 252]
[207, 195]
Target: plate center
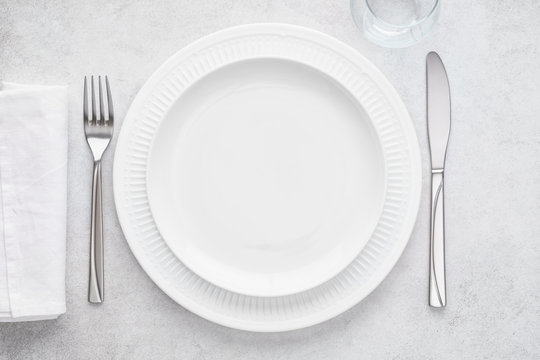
[266, 177]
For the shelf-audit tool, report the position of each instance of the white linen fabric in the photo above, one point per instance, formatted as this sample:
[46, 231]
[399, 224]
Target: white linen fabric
[33, 201]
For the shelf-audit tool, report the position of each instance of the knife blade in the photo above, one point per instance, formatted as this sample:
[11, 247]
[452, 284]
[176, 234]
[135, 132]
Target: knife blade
[438, 109]
[438, 123]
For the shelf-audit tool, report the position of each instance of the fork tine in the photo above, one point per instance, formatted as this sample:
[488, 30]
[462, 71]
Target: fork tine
[101, 105]
[109, 101]
[94, 120]
[85, 103]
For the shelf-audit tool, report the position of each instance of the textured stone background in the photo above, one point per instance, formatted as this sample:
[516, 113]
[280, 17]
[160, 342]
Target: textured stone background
[491, 51]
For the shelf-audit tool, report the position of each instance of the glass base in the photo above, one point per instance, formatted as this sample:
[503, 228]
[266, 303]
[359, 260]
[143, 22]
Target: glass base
[388, 35]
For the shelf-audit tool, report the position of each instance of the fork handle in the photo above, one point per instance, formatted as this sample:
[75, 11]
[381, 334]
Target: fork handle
[95, 286]
[437, 276]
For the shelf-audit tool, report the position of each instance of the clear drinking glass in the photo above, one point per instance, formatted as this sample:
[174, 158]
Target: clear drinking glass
[395, 23]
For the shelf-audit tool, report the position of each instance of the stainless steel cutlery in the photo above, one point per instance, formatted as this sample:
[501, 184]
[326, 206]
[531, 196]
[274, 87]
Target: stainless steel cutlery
[438, 122]
[98, 129]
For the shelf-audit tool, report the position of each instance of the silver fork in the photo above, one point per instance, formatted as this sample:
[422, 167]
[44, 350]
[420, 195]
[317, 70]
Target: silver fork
[98, 131]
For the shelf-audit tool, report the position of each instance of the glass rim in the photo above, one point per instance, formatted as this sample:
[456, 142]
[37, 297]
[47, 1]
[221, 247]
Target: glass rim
[427, 16]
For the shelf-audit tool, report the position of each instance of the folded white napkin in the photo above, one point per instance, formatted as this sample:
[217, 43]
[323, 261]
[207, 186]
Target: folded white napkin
[33, 192]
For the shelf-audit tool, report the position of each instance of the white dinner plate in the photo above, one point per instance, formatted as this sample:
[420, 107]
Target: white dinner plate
[267, 177]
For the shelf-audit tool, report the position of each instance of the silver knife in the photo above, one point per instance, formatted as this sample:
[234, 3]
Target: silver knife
[438, 120]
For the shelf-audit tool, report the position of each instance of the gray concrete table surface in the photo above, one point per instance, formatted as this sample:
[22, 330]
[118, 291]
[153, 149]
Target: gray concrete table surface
[491, 51]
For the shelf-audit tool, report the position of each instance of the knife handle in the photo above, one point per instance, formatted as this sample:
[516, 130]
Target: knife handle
[437, 274]
[95, 285]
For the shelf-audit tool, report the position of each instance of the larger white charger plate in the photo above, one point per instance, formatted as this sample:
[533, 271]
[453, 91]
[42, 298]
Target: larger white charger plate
[380, 154]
